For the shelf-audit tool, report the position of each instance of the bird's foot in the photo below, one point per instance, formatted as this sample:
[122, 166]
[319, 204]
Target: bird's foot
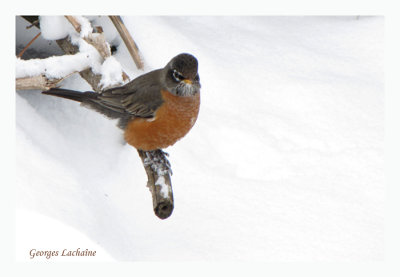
[158, 161]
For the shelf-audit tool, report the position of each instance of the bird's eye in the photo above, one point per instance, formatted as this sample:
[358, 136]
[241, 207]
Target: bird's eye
[197, 78]
[177, 76]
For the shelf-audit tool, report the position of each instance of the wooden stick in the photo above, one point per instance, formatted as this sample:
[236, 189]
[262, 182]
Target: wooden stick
[158, 181]
[128, 40]
[74, 23]
[39, 82]
[29, 44]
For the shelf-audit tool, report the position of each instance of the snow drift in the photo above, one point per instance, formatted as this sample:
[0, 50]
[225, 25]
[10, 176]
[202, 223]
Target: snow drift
[285, 162]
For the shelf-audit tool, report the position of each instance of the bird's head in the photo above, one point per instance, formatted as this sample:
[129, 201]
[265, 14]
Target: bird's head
[181, 76]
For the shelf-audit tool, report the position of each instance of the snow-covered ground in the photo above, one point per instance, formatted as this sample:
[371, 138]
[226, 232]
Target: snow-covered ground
[285, 162]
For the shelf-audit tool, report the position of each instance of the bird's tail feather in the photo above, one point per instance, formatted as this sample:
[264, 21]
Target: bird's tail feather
[71, 94]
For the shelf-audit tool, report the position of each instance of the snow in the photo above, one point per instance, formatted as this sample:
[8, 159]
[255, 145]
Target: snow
[55, 27]
[90, 51]
[52, 67]
[58, 27]
[111, 72]
[164, 188]
[56, 242]
[285, 162]
[86, 27]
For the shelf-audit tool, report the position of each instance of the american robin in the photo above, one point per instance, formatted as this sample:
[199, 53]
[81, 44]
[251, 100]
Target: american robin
[155, 110]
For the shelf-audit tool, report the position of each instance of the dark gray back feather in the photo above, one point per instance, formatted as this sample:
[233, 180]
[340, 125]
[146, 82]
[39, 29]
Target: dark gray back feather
[139, 98]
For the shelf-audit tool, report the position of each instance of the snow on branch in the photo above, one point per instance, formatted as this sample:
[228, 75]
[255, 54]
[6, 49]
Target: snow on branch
[97, 40]
[87, 53]
[47, 73]
[52, 67]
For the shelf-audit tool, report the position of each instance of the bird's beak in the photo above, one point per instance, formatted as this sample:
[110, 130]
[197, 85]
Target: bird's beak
[187, 81]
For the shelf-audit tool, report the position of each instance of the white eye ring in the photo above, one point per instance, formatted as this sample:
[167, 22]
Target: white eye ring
[177, 76]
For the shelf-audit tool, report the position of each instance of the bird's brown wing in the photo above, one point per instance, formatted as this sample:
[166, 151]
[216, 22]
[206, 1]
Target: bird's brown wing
[139, 98]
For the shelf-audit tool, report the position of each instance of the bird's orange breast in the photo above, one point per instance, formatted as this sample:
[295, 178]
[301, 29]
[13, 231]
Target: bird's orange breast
[172, 121]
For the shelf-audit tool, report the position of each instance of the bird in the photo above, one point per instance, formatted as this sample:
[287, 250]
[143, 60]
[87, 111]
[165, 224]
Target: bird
[154, 110]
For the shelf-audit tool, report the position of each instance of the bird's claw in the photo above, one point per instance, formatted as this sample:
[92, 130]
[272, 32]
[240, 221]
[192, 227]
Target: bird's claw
[158, 161]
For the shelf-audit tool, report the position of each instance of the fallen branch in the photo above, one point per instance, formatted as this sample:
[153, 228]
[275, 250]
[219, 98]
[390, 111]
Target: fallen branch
[128, 40]
[158, 170]
[66, 45]
[92, 78]
[97, 40]
[40, 82]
